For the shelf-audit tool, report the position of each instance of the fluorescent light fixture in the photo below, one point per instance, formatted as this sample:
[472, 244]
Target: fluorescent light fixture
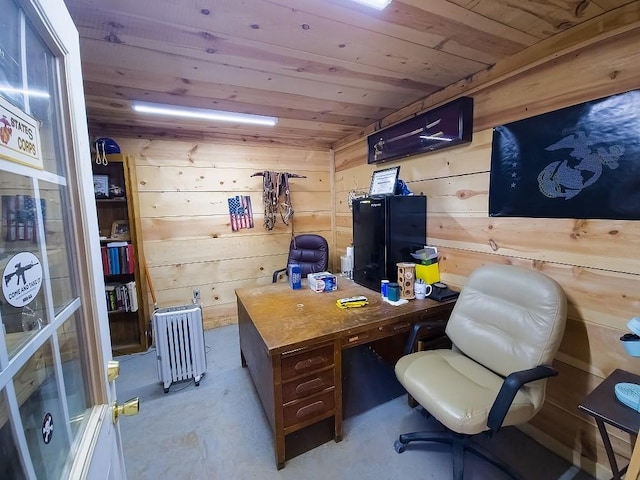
[377, 4]
[203, 114]
[22, 91]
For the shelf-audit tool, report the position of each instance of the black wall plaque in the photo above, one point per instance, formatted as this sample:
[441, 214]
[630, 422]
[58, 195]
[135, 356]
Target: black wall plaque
[443, 127]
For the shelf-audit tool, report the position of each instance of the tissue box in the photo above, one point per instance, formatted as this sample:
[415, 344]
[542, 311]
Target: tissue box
[322, 282]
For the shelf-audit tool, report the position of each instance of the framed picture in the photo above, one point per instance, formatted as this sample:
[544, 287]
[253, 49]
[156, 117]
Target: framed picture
[120, 230]
[443, 127]
[101, 186]
[383, 182]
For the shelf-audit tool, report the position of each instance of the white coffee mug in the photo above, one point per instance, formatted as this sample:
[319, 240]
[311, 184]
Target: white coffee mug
[422, 290]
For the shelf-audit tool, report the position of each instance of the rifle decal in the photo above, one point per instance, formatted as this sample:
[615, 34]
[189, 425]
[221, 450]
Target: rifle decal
[22, 279]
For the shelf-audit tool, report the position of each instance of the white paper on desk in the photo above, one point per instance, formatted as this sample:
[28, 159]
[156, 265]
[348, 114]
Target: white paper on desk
[402, 301]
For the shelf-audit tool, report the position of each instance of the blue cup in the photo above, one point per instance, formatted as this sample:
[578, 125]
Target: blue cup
[393, 292]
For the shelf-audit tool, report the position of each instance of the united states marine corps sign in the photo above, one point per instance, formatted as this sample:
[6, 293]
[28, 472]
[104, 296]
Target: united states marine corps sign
[19, 136]
[21, 279]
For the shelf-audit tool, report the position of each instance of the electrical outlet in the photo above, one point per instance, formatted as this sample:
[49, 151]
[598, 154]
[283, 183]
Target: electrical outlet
[196, 293]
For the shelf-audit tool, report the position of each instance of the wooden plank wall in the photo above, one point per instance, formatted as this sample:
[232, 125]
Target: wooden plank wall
[182, 190]
[596, 261]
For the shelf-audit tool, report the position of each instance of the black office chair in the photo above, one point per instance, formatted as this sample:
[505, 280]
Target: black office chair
[309, 251]
[506, 328]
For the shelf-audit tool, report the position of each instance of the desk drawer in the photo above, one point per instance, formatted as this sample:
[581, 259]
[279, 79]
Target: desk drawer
[306, 361]
[375, 334]
[305, 386]
[307, 409]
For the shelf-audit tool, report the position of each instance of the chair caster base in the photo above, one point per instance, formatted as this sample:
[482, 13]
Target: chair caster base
[399, 446]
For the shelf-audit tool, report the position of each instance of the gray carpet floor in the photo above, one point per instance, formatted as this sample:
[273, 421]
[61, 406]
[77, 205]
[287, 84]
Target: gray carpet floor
[218, 431]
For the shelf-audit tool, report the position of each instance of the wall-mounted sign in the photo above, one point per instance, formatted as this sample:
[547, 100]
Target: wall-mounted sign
[19, 136]
[443, 127]
[21, 279]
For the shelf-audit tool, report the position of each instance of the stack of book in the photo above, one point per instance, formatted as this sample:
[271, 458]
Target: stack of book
[121, 297]
[118, 258]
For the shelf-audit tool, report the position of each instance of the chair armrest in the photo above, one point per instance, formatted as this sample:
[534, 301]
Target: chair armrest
[509, 389]
[421, 330]
[276, 273]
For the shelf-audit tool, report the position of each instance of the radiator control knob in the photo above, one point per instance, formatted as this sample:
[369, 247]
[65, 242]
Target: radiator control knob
[129, 408]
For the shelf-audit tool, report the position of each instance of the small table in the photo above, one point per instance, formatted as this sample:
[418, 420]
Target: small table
[603, 405]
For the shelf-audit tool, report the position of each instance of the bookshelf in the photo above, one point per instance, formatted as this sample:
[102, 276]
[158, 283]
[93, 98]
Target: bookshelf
[121, 253]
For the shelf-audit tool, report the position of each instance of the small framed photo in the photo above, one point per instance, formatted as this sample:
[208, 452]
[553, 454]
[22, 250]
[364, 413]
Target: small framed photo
[101, 186]
[120, 230]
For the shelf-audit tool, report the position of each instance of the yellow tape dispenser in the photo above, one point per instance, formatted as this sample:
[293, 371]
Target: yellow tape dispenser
[352, 302]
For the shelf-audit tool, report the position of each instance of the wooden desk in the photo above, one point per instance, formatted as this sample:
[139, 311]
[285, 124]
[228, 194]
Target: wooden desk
[606, 408]
[291, 341]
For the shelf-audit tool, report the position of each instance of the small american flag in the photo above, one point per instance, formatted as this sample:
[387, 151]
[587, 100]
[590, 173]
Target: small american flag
[240, 212]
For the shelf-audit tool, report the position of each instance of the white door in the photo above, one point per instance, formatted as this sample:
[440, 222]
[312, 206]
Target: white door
[55, 397]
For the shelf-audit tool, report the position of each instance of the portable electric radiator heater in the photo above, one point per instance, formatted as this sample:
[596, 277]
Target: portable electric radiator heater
[180, 349]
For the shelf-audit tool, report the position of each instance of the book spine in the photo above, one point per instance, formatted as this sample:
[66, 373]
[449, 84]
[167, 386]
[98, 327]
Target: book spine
[113, 255]
[123, 296]
[105, 260]
[132, 258]
[112, 303]
[133, 295]
[109, 270]
[118, 294]
[121, 260]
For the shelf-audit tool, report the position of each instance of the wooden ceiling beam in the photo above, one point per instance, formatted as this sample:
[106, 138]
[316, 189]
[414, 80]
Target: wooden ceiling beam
[240, 100]
[175, 66]
[97, 129]
[609, 25]
[122, 112]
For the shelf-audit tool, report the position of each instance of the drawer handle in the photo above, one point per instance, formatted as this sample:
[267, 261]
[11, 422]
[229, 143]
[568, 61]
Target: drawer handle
[355, 338]
[310, 409]
[310, 362]
[310, 385]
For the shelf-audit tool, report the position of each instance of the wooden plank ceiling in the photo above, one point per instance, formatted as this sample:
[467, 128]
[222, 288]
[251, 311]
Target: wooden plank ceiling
[326, 68]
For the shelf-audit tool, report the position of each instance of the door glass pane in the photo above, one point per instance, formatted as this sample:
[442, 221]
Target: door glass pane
[73, 371]
[22, 304]
[59, 251]
[10, 466]
[43, 327]
[42, 414]
[10, 82]
[41, 96]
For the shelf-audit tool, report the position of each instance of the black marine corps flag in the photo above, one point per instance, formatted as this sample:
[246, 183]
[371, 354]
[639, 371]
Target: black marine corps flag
[577, 162]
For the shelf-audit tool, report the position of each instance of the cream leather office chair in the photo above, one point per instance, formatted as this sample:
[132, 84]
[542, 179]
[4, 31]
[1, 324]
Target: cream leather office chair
[506, 328]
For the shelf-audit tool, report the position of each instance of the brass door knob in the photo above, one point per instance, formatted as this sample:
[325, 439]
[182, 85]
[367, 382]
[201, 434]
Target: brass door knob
[113, 370]
[128, 408]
